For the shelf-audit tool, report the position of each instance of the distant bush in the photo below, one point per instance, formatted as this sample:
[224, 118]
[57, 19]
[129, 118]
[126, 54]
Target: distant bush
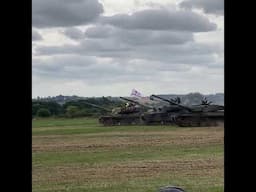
[53, 107]
[42, 112]
[78, 108]
[84, 113]
[72, 111]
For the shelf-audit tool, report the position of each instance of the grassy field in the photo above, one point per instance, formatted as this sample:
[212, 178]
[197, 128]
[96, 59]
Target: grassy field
[81, 155]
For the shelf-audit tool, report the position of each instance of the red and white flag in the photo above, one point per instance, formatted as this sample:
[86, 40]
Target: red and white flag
[136, 93]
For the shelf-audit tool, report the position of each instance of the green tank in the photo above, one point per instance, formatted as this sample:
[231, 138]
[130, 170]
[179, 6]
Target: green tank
[204, 114]
[164, 114]
[129, 114]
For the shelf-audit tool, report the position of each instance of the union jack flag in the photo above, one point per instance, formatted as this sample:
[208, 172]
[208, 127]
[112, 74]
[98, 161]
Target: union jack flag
[136, 93]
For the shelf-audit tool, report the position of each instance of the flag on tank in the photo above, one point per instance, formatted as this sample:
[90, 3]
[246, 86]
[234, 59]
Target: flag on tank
[136, 93]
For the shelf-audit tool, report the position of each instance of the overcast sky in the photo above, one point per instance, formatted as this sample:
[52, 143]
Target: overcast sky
[108, 47]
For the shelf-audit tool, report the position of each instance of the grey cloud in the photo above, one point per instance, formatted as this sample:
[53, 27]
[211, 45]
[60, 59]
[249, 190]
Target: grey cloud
[94, 71]
[209, 6]
[113, 47]
[133, 48]
[161, 19]
[189, 53]
[106, 45]
[74, 33]
[139, 37]
[101, 71]
[155, 66]
[86, 47]
[61, 66]
[36, 35]
[64, 61]
[100, 31]
[51, 50]
[60, 13]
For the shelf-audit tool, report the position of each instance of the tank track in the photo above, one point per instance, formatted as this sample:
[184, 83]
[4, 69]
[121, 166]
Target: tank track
[157, 119]
[184, 120]
[209, 120]
[115, 121]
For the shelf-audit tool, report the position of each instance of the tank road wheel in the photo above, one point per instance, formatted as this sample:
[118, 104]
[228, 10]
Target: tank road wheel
[207, 122]
[134, 121]
[187, 122]
[116, 122]
[181, 122]
[144, 120]
[108, 122]
[194, 122]
[147, 122]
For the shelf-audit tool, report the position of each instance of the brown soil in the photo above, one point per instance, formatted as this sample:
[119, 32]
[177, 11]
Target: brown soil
[196, 137]
[122, 171]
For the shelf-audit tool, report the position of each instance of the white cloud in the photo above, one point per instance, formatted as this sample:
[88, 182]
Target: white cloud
[111, 59]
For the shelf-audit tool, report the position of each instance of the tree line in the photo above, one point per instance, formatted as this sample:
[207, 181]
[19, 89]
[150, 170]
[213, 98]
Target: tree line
[96, 106]
[79, 108]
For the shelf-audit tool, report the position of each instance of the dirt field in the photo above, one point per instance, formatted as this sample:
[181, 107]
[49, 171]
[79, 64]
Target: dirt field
[81, 155]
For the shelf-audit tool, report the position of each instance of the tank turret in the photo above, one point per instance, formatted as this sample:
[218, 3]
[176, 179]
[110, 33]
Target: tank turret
[129, 114]
[173, 103]
[137, 103]
[205, 105]
[164, 114]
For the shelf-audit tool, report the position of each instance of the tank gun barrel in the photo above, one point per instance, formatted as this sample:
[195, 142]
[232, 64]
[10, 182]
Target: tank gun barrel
[163, 99]
[172, 103]
[96, 106]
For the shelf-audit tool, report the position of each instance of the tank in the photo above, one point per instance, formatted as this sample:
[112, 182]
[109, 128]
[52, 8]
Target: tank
[165, 114]
[129, 114]
[204, 114]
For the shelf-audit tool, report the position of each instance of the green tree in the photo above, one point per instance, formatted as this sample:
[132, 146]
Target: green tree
[42, 112]
[72, 111]
[35, 107]
[53, 107]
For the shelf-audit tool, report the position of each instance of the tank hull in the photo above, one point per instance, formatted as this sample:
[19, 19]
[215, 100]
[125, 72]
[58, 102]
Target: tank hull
[158, 119]
[120, 120]
[208, 119]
